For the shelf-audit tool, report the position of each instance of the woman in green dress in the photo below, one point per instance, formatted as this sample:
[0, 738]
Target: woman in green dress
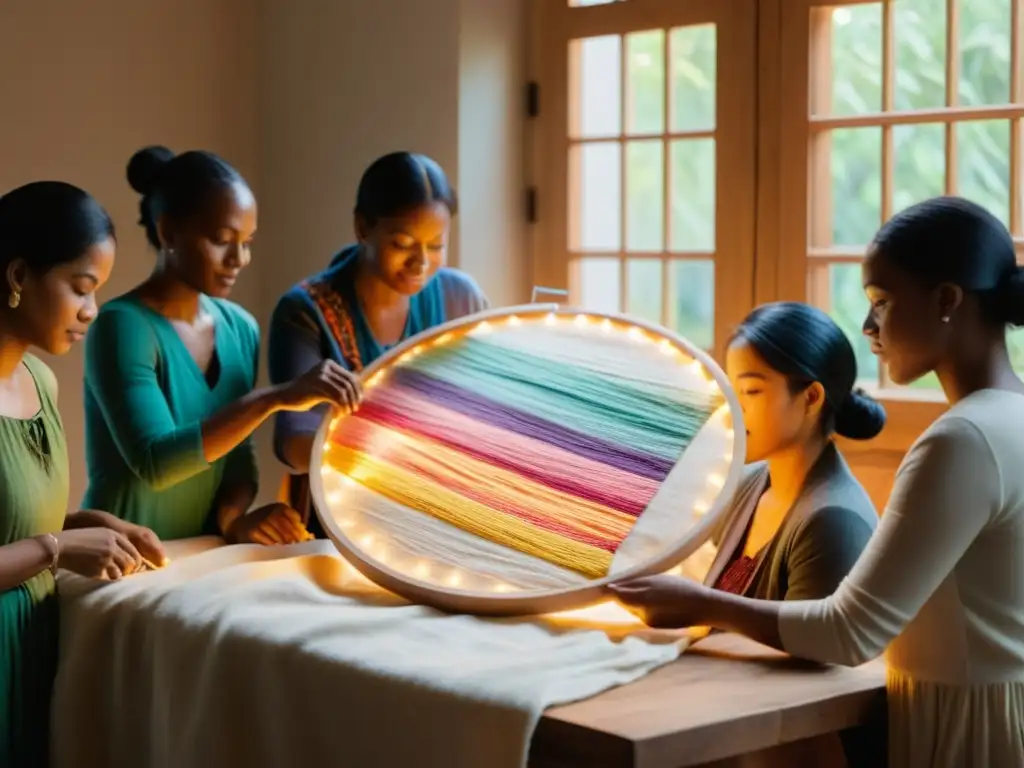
[389, 285]
[171, 366]
[56, 250]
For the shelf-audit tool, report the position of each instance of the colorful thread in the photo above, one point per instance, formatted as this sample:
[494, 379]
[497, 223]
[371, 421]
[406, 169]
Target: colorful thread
[569, 395]
[405, 487]
[414, 414]
[498, 489]
[523, 422]
[551, 459]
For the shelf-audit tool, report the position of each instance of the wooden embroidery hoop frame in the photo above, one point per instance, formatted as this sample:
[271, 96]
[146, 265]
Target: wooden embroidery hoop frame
[534, 602]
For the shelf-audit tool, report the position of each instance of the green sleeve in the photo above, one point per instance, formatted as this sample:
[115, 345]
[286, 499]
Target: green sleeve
[824, 552]
[241, 467]
[120, 372]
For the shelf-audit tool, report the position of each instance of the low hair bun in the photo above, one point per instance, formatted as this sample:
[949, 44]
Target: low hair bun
[145, 167]
[861, 417]
[1010, 301]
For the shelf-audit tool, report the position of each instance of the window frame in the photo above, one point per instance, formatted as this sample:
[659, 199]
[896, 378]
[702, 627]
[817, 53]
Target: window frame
[552, 24]
[909, 411]
[773, 219]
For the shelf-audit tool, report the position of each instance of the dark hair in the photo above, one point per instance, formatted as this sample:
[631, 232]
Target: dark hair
[395, 183]
[176, 185]
[49, 223]
[805, 345]
[952, 240]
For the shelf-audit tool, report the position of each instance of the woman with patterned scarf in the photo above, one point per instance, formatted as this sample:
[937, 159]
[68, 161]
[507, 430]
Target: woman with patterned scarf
[390, 285]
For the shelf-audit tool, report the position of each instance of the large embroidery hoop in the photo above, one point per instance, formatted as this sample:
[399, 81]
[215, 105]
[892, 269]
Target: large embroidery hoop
[673, 525]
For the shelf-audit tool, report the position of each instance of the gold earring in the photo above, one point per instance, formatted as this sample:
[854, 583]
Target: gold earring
[14, 299]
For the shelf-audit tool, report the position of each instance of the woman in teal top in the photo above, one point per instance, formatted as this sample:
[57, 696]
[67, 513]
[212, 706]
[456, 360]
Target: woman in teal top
[390, 285]
[56, 250]
[170, 398]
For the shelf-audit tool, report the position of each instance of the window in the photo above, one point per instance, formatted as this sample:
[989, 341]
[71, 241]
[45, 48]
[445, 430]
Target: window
[906, 99]
[646, 129]
[695, 158]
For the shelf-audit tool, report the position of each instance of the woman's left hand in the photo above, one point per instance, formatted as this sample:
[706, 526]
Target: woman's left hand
[144, 540]
[662, 602]
[147, 542]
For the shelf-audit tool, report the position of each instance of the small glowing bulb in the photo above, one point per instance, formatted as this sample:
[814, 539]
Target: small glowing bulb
[421, 571]
[666, 347]
[634, 333]
[581, 320]
[346, 522]
[716, 480]
[713, 386]
[346, 480]
[326, 472]
[514, 320]
[454, 579]
[724, 415]
[334, 498]
[444, 338]
[366, 542]
[697, 368]
[502, 588]
[483, 327]
[550, 319]
[606, 325]
[701, 508]
[375, 379]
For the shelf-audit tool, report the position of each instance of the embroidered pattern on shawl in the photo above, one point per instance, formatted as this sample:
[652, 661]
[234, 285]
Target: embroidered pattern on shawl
[336, 314]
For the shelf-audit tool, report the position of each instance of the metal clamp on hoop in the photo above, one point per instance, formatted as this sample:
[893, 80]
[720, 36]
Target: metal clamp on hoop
[539, 289]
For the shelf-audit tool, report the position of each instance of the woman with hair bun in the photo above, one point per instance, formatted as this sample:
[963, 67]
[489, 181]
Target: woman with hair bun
[938, 587]
[390, 285]
[799, 519]
[56, 250]
[170, 397]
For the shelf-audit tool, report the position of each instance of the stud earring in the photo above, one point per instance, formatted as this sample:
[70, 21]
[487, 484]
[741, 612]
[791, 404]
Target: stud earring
[14, 299]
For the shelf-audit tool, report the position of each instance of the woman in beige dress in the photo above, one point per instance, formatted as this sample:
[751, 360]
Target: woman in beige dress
[940, 586]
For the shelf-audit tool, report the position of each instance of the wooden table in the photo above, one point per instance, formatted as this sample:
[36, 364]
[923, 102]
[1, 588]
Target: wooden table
[727, 702]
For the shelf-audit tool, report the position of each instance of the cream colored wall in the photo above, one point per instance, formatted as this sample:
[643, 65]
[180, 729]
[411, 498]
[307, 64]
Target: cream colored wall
[84, 84]
[491, 170]
[300, 96]
[342, 83]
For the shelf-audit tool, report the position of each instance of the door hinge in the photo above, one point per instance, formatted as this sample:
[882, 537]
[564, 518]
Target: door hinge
[532, 98]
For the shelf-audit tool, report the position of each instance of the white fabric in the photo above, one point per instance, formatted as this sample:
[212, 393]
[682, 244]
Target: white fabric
[285, 656]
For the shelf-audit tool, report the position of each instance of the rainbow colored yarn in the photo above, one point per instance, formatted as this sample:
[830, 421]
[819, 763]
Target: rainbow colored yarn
[554, 458]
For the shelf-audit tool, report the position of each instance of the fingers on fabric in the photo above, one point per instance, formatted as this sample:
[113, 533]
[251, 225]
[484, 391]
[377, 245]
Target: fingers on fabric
[151, 548]
[283, 529]
[260, 535]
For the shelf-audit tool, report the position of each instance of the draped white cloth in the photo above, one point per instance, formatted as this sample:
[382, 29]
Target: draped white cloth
[286, 656]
